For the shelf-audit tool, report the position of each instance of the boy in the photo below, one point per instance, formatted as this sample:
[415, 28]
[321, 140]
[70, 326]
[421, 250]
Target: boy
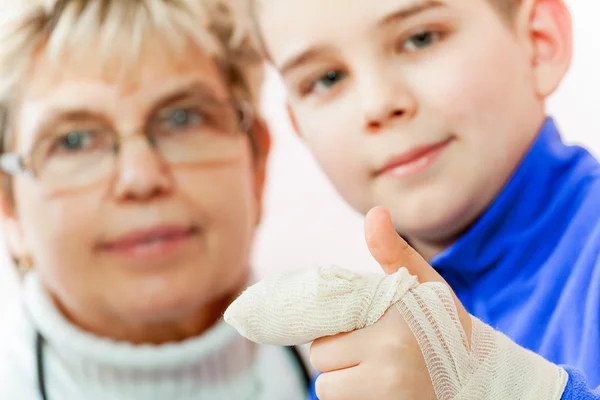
[435, 110]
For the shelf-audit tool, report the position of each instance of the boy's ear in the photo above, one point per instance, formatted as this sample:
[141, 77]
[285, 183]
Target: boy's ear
[550, 33]
[293, 120]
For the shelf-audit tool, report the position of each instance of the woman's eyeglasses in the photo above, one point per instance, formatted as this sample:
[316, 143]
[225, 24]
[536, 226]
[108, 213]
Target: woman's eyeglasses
[197, 130]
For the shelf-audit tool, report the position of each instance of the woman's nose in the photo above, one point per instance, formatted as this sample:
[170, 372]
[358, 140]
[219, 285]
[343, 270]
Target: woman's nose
[141, 172]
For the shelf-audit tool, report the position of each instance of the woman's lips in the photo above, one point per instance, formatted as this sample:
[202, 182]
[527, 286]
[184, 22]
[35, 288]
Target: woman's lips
[150, 242]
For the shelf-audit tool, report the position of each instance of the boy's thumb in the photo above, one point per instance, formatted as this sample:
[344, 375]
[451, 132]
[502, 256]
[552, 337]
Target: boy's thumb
[391, 251]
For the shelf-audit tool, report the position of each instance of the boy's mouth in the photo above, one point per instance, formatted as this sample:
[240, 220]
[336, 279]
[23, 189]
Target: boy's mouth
[413, 161]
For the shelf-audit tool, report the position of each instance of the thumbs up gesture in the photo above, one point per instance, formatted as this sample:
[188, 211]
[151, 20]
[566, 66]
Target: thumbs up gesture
[399, 336]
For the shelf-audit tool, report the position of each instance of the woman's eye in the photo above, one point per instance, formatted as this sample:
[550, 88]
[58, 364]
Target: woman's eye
[74, 141]
[327, 81]
[420, 41]
[183, 118]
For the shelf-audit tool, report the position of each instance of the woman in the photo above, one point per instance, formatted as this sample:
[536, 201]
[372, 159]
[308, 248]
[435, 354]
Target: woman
[134, 180]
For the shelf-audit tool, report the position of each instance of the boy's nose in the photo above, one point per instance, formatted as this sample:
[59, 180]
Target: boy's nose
[375, 121]
[383, 103]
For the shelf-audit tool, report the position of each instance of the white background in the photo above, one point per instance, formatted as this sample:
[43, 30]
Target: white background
[305, 222]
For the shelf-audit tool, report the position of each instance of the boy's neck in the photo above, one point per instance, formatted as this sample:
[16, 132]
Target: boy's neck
[428, 250]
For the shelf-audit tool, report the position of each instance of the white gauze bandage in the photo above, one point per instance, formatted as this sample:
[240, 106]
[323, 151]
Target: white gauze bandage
[301, 306]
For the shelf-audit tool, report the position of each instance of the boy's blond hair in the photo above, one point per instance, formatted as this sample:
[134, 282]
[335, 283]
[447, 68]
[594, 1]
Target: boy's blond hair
[506, 8]
[118, 29]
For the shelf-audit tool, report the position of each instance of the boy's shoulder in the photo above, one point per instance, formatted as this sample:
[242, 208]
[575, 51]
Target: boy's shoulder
[582, 215]
[589, 214]
[586, 202]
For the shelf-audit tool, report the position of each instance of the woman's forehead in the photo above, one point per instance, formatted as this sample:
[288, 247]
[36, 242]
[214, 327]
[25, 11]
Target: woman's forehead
[127, 75]
[118, 91]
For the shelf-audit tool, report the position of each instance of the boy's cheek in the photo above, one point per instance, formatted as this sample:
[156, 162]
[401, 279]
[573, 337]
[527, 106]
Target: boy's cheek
[350, 176]
[469, 75]
[482, 108]
[457, 89]
[333, 135]
[340, 151]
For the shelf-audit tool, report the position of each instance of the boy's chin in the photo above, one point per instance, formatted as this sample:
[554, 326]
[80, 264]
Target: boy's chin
[442, 221]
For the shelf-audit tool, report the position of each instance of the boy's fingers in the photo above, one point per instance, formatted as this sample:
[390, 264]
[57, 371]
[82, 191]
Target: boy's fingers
[345, 384]
[300, 306]
[341, 351]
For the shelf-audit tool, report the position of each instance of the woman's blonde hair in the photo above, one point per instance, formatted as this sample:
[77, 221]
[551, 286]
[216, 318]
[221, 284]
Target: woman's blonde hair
[121, 28]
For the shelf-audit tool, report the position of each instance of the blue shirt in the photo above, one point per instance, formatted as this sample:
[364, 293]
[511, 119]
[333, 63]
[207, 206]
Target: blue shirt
[530, 265]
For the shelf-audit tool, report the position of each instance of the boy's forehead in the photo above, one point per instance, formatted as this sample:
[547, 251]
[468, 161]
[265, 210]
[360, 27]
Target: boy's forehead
[296, 24]
[342, 7]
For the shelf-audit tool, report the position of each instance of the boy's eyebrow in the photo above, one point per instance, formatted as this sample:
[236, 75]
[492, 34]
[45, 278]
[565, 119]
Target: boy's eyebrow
[301, 58]
[415, 7]
[412, 9]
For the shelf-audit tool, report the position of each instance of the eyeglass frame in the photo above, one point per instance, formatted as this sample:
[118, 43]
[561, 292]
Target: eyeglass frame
[14, 163]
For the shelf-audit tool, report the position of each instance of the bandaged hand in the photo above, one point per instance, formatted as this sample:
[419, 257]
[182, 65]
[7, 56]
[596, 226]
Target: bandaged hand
[389, 336]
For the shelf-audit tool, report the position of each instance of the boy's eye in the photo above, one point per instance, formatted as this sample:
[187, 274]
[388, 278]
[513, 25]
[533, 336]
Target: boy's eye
[326, 81]
[420, 41]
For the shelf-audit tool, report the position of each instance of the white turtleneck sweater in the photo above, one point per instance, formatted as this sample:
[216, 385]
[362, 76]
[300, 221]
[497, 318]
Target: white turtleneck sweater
[219, 365]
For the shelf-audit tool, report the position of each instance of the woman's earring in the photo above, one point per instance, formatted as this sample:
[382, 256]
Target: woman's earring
[24, 265]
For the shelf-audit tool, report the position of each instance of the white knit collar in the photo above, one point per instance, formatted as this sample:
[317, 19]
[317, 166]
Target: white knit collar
[219, 365]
